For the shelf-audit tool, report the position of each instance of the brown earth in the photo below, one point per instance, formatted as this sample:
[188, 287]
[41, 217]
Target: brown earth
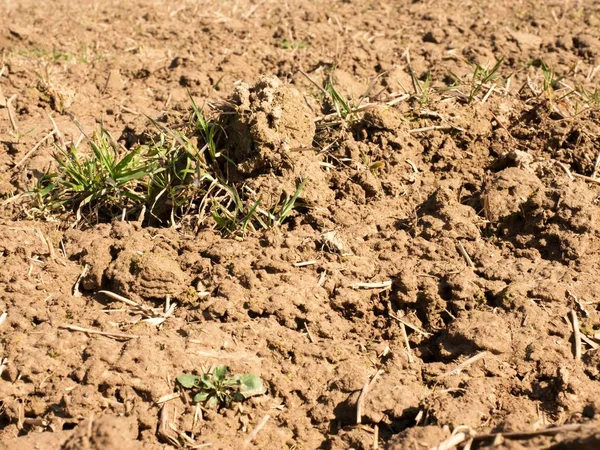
[470, 209]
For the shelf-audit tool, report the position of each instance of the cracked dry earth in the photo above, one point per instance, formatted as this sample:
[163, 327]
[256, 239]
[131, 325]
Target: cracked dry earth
[481, 236]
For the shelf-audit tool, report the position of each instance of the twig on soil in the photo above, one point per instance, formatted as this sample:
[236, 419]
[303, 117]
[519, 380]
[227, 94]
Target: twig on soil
[517, 435]
[458, 369]
[76, 292]
[376, 438]
[589, 342]
[167, 397]
[586, 178]
[3, 364]
[377, 285]
[435, 127]
[412, 327]
[310, 336]
[46, 242]
[101, 333]
[321, 279]
[408, 350]
[363, 395]
[566, 169]
[3, 317]
[163, 428]
[35, 422]
[127, 301]
[254, 433]
[33, 150]
[579, 303]
[457, 437]
[464, 254]
[576, 334]
[306, 263]
[11, 116]
[59, 136]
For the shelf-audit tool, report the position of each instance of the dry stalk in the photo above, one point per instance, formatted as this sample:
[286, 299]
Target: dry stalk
[586, 178]
[254, 433]
[167, 398]
[458, 369]
[530, 434]
[576, 334]
[76, 292]
[596, 166]
[464, 254]
[163, 428]
[3, 364]
[59, 136]
[33, 150]
[146, 309]
[409, 325]
[101, 333]
[434, 128]
[566, 169]
[35, 422]
[11, 114]
[452, 441]
[376, 438]
[408, 350]
[310, 336]
[589, 342]
[363, 395]
[306, 263]
[377, 285]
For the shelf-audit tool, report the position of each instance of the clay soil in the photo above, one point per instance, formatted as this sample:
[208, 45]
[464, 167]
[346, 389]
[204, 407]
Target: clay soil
[468, 212]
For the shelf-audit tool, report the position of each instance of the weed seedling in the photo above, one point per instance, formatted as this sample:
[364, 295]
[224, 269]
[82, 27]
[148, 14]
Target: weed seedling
[338, 102]
[422, 88]
[104, 179]
[219, 389]
[481, 77]
[288, 204]
[294, 45]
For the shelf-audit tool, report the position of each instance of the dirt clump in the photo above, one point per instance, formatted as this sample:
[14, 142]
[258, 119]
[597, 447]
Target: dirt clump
[272, 142]
[105, 432]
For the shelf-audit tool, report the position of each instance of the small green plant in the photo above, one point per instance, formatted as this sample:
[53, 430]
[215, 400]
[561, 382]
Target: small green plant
[592, 97]
[481, 77]
[338, 102]
[293, 45]
[104, 179]
[372, 166]
[288, 204]
[219, 389]
[422, 88]
[550, 80]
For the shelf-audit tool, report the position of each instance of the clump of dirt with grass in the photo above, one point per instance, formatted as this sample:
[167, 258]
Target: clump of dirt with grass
[271, 140]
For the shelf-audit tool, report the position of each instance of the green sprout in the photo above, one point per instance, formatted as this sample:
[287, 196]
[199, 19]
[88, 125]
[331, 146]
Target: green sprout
[104, 179]
[218, 389]
[481, 77]
[422, 88]
[342, 107]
